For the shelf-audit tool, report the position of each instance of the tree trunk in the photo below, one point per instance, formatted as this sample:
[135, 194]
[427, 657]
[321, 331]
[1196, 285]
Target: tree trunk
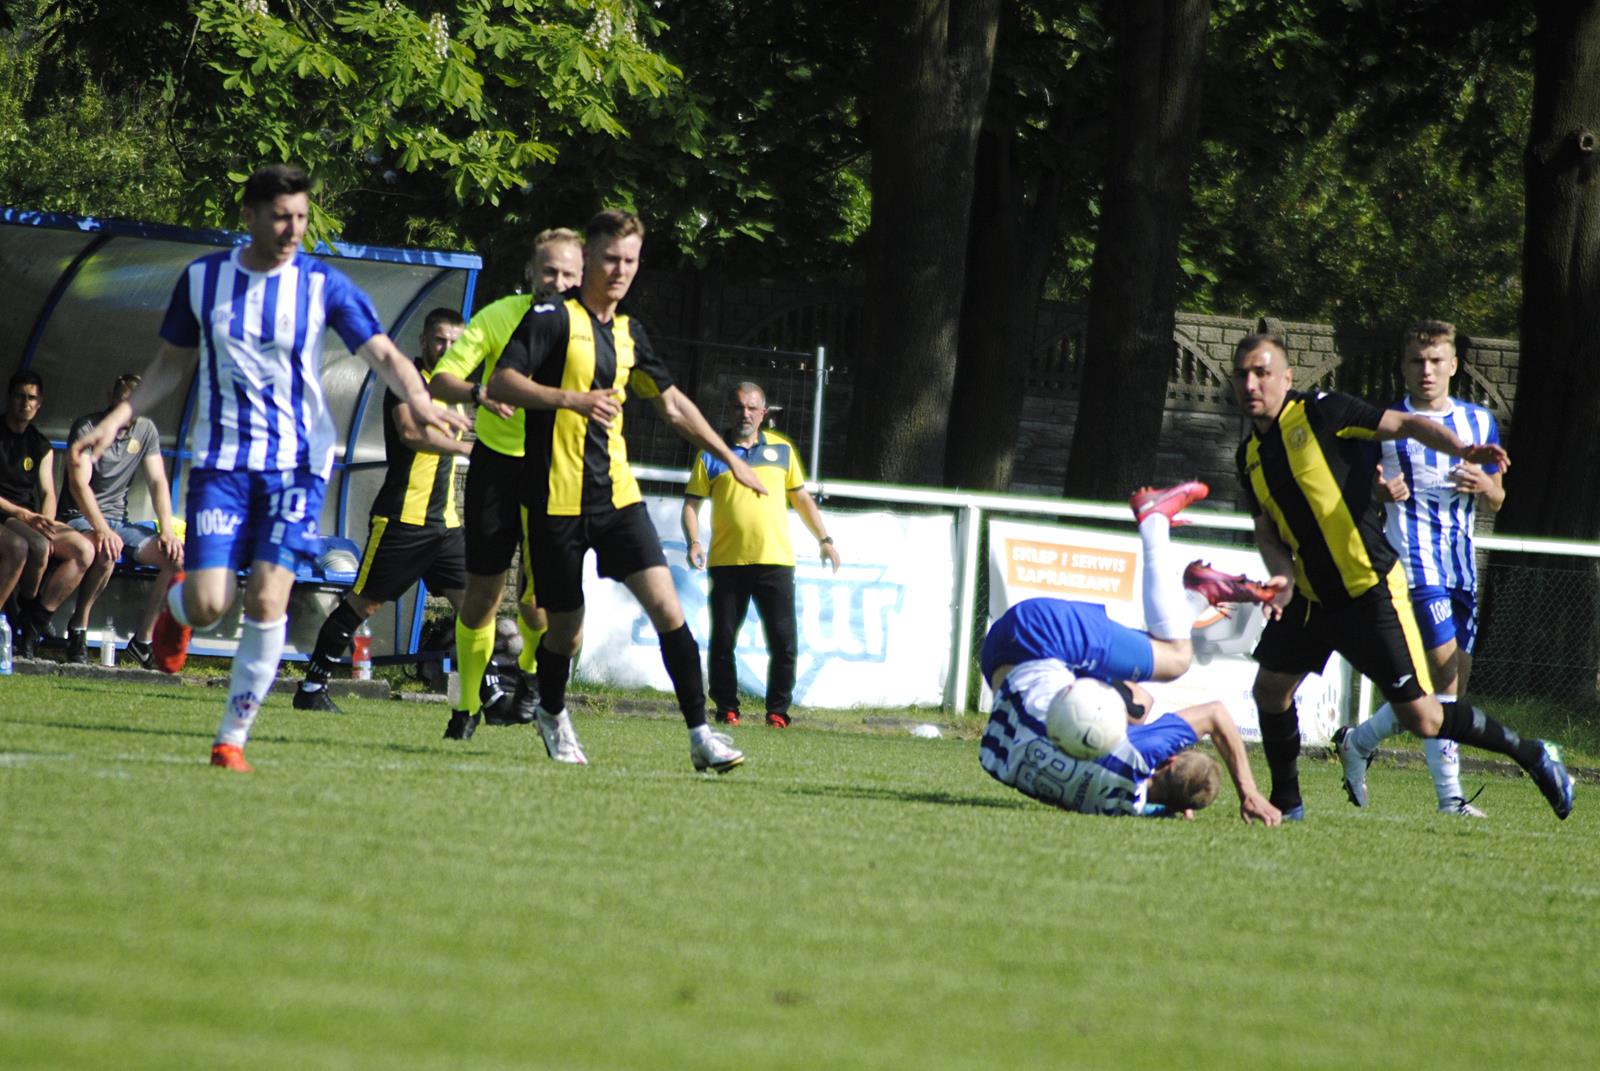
[1128, 341]
[1008, 255]
[932, 59]
[1552, 490]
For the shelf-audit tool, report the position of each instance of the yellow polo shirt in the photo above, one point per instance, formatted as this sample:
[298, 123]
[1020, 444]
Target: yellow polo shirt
[747, 528]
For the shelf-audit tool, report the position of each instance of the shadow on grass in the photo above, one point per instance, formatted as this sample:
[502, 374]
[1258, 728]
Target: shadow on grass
[906, 795]
[174, 731]
[102, 727]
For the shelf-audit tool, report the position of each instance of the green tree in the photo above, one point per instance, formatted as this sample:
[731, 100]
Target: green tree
[408, 113]
[1128, 343]
[932, 61]
[1035, 190]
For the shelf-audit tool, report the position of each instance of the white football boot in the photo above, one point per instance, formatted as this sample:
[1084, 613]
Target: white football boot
[714, 751]
[560, 742]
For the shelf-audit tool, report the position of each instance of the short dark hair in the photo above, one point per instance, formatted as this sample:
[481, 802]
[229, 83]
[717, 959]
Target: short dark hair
[613, 223]
[1248, 344]
[1429, 333]
[25, 377]
[125, 385]
[274, 181]
[441, 315]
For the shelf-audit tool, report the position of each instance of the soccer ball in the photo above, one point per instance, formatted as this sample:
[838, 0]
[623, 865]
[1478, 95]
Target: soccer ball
[1087, 718]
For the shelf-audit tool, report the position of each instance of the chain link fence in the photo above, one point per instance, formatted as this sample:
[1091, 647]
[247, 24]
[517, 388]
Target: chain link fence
[794, 382]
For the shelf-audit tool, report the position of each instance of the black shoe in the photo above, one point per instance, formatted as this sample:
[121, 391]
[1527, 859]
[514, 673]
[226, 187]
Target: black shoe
[307, 699]
[78, 646]
[462, 725]
[140, 652]
[517, 708]
[37, 618]
[27, 640]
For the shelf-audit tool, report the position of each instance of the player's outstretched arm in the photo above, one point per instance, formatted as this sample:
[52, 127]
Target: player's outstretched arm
[687, 420]
[1213, 720]
[424, 438]
[400, 376]
[1398, 424]
[166, 373]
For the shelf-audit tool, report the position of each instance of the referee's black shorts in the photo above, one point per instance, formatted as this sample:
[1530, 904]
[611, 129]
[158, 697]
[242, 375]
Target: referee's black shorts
[1376, 633]
[624, 543]
[492, 513]
[397, 555]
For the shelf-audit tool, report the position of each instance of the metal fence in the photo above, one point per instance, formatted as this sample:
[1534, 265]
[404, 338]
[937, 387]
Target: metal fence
[795, 384]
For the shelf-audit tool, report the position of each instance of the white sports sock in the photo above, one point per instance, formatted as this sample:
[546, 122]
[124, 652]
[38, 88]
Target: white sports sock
[699, 733]
[255, 665]
[175, 604]
[1444, 763]
[1366, 737]
[1167, 614]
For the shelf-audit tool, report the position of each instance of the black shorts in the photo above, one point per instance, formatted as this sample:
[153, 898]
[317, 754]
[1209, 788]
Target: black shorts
[624, 543]
[1377, 633]
[397, 555]
[493, 512]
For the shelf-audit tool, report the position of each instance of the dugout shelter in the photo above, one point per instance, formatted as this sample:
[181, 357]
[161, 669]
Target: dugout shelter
[83, 301]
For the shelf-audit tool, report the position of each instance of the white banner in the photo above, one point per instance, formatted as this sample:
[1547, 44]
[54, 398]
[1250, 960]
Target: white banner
[877, 634]
[1092, 565]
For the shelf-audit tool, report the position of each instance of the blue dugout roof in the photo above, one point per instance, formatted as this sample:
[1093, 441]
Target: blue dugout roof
[84, 297]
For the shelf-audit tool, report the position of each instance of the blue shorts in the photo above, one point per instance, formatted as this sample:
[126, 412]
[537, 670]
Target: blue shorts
[1077, 633]
[133, 536]
[1445, 614]
[236, 518]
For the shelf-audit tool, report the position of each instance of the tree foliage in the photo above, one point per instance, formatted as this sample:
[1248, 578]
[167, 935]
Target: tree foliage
[407, 112]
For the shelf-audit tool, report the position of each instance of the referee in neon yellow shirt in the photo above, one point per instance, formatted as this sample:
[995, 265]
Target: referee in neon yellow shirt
[493, 513]
[751, 556]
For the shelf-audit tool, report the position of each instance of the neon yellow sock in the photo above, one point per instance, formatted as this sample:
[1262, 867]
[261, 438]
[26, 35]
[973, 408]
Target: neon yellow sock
[474, 648]
[528, 660]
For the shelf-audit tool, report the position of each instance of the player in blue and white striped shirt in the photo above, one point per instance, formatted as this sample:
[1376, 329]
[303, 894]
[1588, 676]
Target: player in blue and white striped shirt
[263, 439]
[1432, 506]
[1039, 647]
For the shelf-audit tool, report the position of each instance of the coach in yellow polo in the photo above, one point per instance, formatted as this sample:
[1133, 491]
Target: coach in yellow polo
[751, 556]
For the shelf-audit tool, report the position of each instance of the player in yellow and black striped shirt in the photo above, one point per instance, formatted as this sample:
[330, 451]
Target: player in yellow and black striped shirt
[571, 364]
[415, 527]
[1307, 471]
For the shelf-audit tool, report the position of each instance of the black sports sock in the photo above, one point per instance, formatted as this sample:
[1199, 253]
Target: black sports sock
[333, 639]
[682, 658]
[1280, 740]
[553, 671]
[1468, 725]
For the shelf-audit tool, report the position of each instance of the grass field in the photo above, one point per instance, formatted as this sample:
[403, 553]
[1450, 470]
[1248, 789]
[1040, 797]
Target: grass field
[376, 898]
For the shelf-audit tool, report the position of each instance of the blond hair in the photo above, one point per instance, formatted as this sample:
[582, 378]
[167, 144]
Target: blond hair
[1190, 780]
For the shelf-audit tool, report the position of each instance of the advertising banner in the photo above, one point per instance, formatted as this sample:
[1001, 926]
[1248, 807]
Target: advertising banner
[1028, 561]
[877, 634]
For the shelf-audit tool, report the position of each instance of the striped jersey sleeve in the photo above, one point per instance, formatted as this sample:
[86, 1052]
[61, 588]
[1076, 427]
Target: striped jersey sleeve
[1432, 529]
[260, 403]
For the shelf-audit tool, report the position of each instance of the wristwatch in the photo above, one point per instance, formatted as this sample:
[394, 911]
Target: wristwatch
[477, 394]
[825, 541]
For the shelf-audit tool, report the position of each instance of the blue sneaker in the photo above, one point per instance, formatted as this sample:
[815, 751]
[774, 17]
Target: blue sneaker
[1297, 813]
[1355, 765]
[1551, 775]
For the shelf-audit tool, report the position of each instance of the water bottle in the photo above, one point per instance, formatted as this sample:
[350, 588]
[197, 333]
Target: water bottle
[361, 653]
[5, 646]
[108, 644]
